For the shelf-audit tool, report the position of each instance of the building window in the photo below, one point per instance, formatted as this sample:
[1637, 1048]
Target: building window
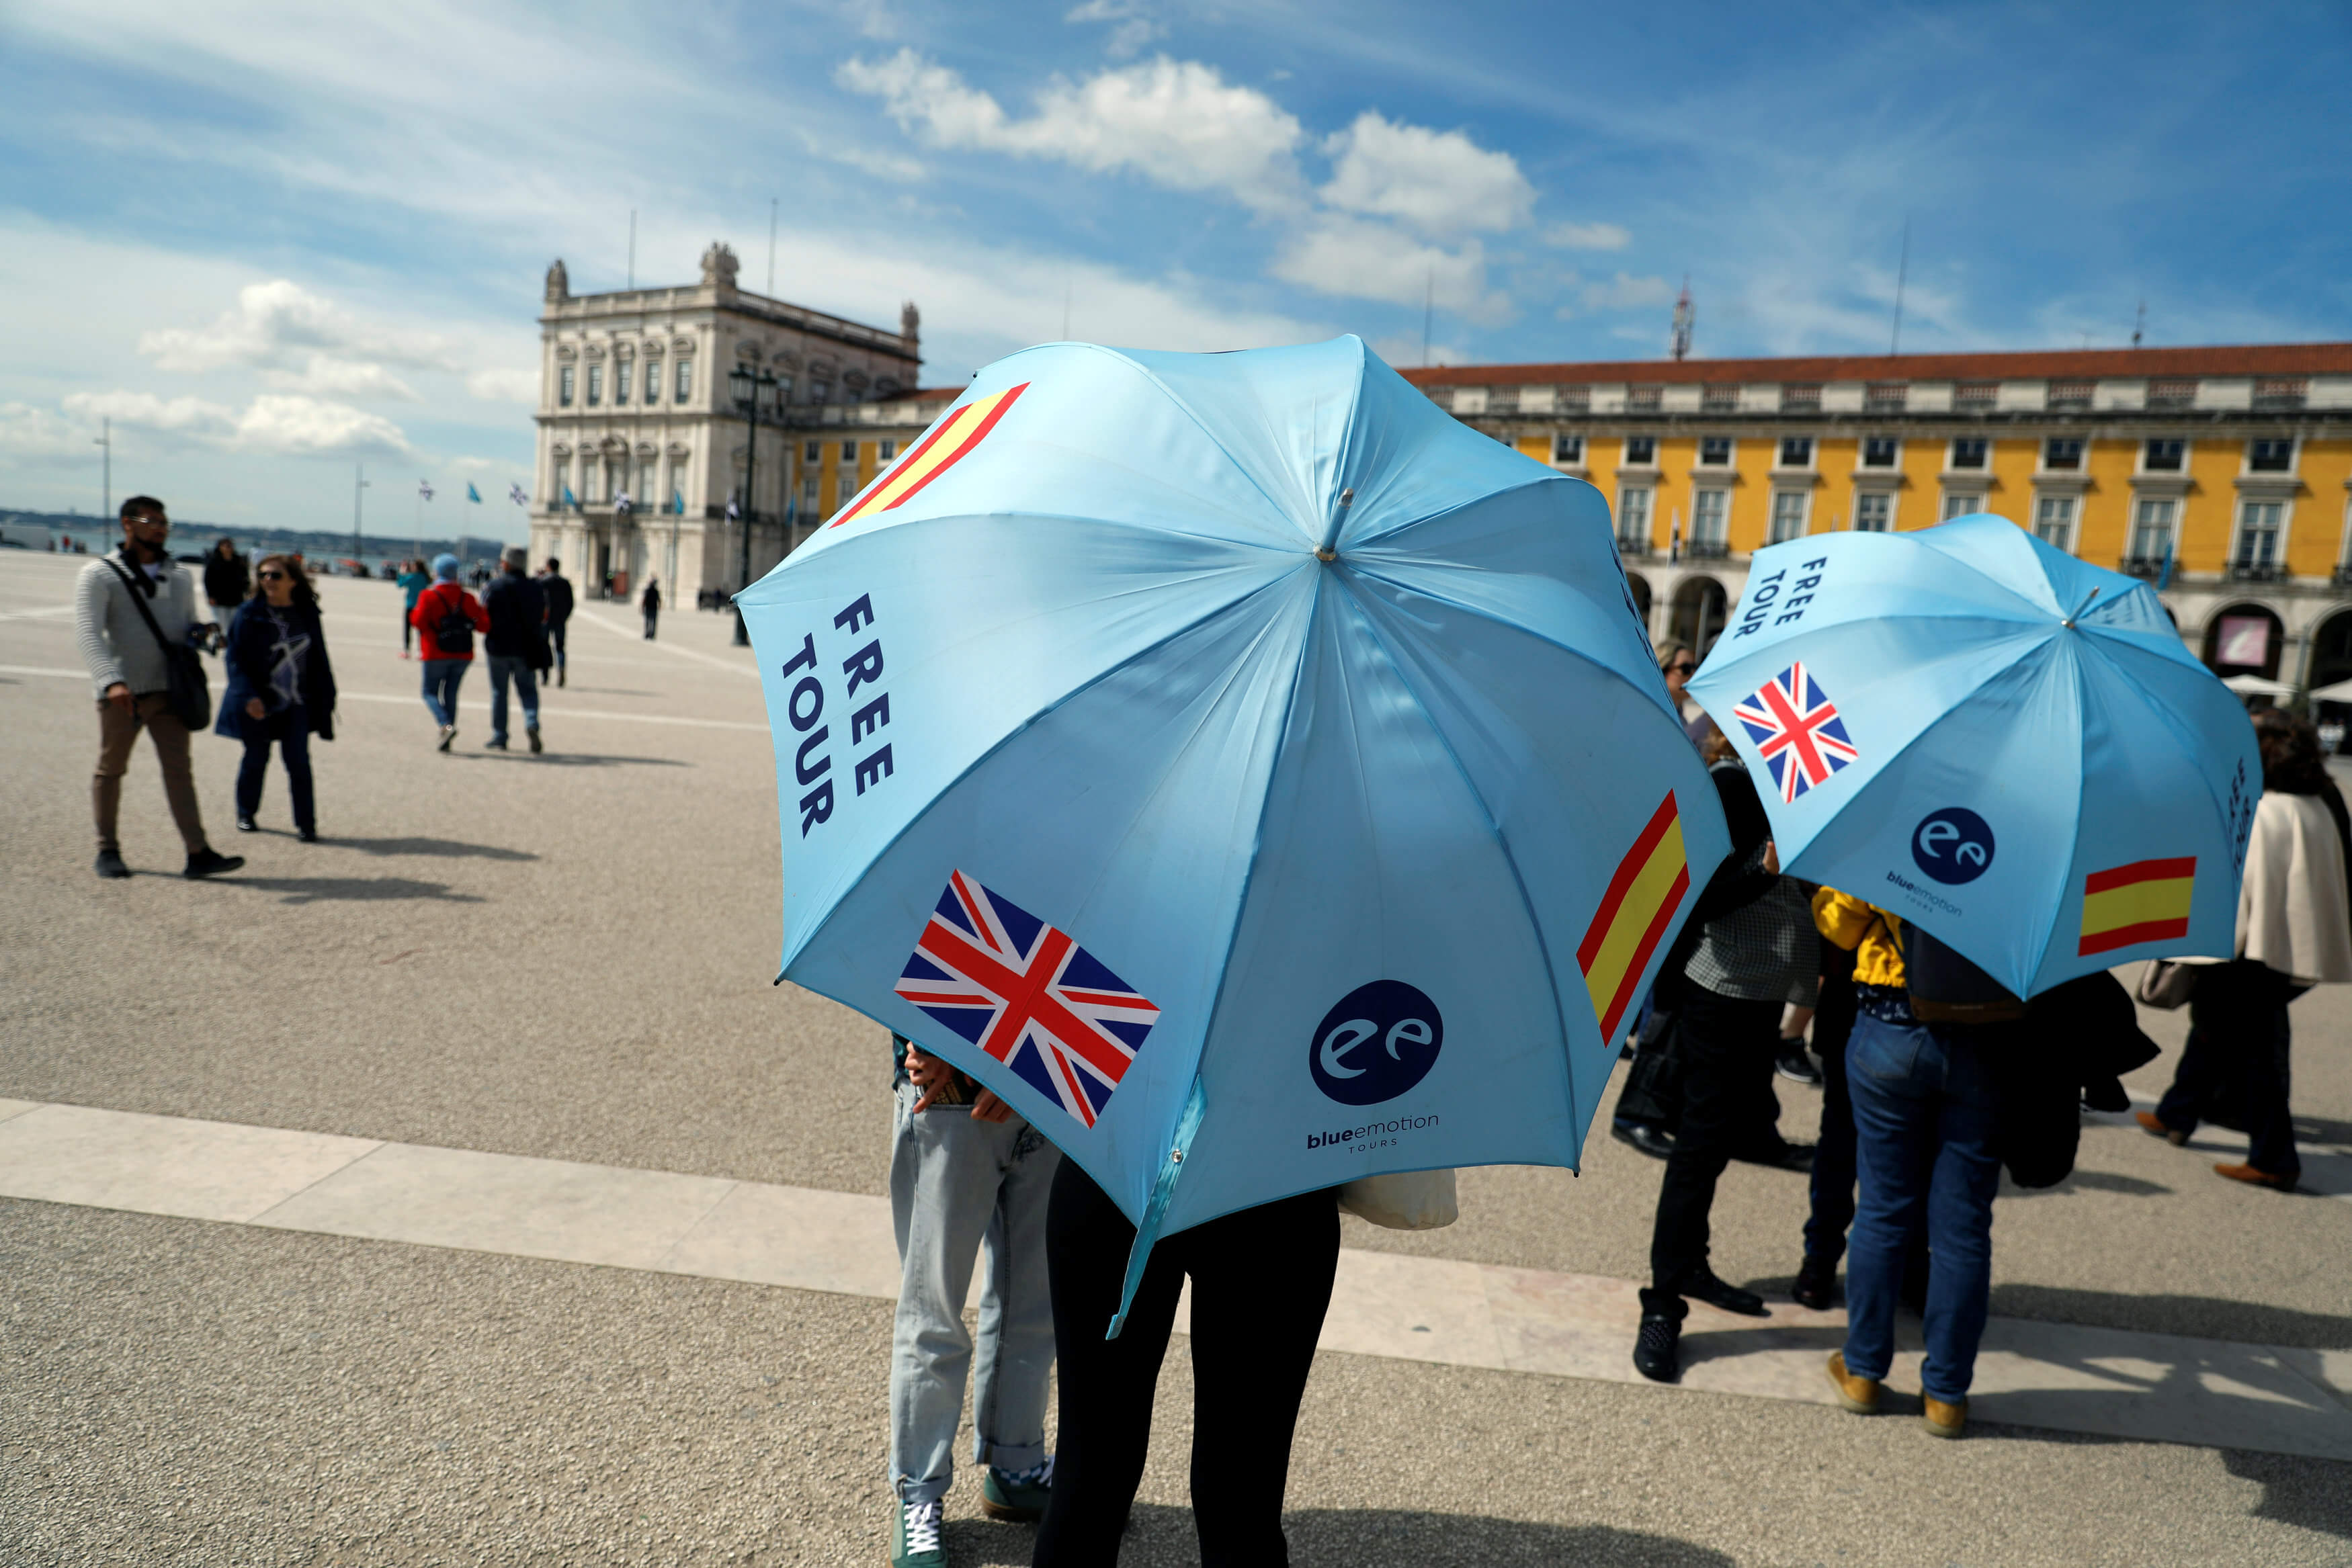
[820, 391]
[812, 453]
[1633, 516]
[1568, 450]
[621, 381]
[2162, 456]
[685, 379]
[1968, 451]
[1880, 450]
[1961, 507]
[563, 387]
[849, 452]
[808, 491]
[2062, 452]
[1874, 512]
[2152, 528]
[1796, 452]
[2258, 533]
[1787, 515]
[2053, 521]
[595, 385]
[1641, 451]
[1714, 451]
[2270, 455]
[1709, 508]
[888, 451]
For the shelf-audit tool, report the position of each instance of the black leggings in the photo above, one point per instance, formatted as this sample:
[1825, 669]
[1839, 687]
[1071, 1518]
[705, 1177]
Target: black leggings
[1727, 1045]
[1261, 1280]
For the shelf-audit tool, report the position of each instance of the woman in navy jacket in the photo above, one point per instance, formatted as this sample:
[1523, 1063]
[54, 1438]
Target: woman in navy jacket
[281, 688]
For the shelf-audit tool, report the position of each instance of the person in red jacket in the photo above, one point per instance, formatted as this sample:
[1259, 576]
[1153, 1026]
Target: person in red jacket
[447, 618]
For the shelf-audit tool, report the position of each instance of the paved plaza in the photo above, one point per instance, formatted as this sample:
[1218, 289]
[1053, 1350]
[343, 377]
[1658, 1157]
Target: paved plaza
[458, 1190]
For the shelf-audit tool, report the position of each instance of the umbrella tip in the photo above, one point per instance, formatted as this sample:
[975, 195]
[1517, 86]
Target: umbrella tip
[1325, 553]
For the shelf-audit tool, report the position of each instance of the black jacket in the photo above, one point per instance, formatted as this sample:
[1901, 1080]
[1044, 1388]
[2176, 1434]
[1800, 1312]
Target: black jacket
[518, 611]
[227, 581]
[251, 639]
[2073, 1045]
[557, 588]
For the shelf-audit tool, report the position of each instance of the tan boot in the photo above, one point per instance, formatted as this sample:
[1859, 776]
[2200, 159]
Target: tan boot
[1946, 1420]
[1859, 1395]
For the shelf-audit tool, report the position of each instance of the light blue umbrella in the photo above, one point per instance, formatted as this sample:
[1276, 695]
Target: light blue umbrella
[1986, 735]
[1258, 778]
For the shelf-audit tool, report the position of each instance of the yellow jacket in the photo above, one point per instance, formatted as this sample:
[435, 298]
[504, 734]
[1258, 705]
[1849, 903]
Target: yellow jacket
[1866, 928]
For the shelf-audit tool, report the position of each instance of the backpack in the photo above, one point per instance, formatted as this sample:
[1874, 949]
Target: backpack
[1946, 988]
[452, 633]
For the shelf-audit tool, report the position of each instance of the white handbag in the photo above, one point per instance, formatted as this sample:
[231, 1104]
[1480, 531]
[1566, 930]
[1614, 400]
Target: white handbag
[1403, 1201]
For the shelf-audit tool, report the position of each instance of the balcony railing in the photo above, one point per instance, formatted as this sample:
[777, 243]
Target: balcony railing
[2256, 571]
[2149, 566]
[1635, 548]
[2342, 577]
[1706, 550]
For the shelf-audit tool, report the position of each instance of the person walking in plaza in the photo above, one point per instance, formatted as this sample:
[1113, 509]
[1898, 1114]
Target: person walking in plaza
[132, 610]
[649, 602]
[517, 645]
[2295, 930]
[227, 581]
[282, 689]
[1678, 663]
[1756, 952]
[556, 589]
[968, 1179]
[1262, 1282]
[447, 617]
[414, 580]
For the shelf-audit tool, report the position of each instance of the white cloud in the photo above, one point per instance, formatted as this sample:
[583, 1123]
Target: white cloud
[1133, 24]
[183, 416]
[29, 431]
[1440, 182]
[1404, 353]
[1588, 237]
[505, 386]
[1626, 292]
[276, 323]
[275, 423]
[1364, 260]
[1179, 124]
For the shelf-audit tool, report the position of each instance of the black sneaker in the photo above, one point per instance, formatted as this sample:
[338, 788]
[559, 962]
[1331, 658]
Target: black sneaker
[531, 735]
[1652, 1141]
[308, 835]
[1703, 1286]
[494, 746]
[109, 865]
[1796, 1064]
[1816, 1286]
[247, 825]
[208, 861]
[1657, 1344]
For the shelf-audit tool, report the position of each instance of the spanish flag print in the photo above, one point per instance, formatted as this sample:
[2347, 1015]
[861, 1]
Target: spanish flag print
[2147, 900]
[942, 449]
[1650, 885]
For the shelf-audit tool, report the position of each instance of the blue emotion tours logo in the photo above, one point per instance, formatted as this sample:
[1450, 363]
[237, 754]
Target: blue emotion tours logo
[1953, 845]
[1376, 1044]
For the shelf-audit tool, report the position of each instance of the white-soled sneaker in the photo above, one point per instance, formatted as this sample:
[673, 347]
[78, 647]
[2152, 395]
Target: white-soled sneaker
[915, 1537]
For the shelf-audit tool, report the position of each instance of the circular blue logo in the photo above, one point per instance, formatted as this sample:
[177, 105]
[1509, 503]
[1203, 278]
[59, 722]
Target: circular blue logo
[1953, 845]
[1380, 1040]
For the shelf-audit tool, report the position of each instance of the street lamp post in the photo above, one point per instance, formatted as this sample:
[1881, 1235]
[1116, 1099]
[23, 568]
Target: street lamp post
[755, 393]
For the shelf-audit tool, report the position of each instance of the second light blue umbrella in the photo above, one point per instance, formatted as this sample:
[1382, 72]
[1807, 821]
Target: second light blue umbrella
[1255, 777]
[1991, 738]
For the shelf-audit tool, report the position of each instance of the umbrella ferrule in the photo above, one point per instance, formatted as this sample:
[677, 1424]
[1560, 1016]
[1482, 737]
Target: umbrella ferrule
[1326, 553]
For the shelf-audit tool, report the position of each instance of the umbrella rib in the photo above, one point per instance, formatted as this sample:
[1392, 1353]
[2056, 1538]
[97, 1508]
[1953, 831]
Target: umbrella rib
[1502, 842]
[1009, 736]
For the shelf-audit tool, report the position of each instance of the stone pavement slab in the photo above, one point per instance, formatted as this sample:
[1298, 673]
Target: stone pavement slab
[1441, 1311]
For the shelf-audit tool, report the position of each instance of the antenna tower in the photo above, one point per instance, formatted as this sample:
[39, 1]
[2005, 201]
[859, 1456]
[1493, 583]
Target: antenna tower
[1684, 314]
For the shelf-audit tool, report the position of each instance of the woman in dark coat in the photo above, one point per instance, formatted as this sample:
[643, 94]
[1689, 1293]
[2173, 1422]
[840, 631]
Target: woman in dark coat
[281, 688]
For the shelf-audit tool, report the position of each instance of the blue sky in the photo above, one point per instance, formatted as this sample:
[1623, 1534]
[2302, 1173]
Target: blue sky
[272, 241]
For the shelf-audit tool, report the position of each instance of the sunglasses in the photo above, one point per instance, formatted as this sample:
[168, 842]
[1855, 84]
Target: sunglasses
[1681, 669]
[273, 577]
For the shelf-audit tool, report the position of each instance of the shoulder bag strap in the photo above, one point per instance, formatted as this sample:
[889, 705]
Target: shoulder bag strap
[139, 603]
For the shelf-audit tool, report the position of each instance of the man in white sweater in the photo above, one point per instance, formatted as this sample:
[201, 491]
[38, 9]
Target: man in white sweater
[131, 675]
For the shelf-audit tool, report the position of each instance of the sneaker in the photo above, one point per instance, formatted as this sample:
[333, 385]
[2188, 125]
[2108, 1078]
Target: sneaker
[1017, 1497]
[494, 744]
[1816, 1286]
[247, 825]
[448, 734]
[531, 735]
[1657, 1344]
[1859, 1395]
[1945, 1420]
[1796, 1064]
[109, 865]
[915, 1537]
[207, 862]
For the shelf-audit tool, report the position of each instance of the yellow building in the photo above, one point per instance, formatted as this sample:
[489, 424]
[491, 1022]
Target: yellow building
[2224, 474]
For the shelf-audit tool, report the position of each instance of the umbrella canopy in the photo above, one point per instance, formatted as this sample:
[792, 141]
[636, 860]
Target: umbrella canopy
[1985, 736]
[1258, 778]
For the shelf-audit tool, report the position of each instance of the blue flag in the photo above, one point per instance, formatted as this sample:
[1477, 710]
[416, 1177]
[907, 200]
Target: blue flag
[677, 502]
[473, 495]
[2164, 577]
[567, 496]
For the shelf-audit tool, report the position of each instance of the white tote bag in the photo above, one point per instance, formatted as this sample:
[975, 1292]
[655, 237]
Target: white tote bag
[1406, 1200]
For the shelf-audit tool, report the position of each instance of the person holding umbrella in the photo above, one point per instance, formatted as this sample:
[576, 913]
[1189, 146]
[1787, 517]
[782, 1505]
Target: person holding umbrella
[2295, 930]
[281, 690]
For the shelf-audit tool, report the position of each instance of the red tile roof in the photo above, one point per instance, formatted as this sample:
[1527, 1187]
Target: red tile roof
[2252, 360]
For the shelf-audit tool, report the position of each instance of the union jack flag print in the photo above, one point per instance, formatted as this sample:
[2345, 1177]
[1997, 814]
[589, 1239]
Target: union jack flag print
[1798, 731]
[1028, 995]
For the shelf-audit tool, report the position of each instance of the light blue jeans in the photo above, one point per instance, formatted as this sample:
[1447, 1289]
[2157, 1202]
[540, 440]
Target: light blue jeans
[1924, 1109]
[441, 679]
[960, 1189]
[504, 667]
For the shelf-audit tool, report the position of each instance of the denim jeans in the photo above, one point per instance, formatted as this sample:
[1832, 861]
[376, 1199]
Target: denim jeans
[1923, 1117]
[441, 678]
[290, 729]
[960, 1188]
[504, 667]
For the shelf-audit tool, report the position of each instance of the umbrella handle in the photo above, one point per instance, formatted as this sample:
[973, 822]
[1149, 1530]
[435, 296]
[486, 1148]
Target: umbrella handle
[1146, 1233]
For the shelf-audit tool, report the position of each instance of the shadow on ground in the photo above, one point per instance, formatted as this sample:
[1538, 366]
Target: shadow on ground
[442, 848]
[552, 757]
[351, 889]
[1162, 1537]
